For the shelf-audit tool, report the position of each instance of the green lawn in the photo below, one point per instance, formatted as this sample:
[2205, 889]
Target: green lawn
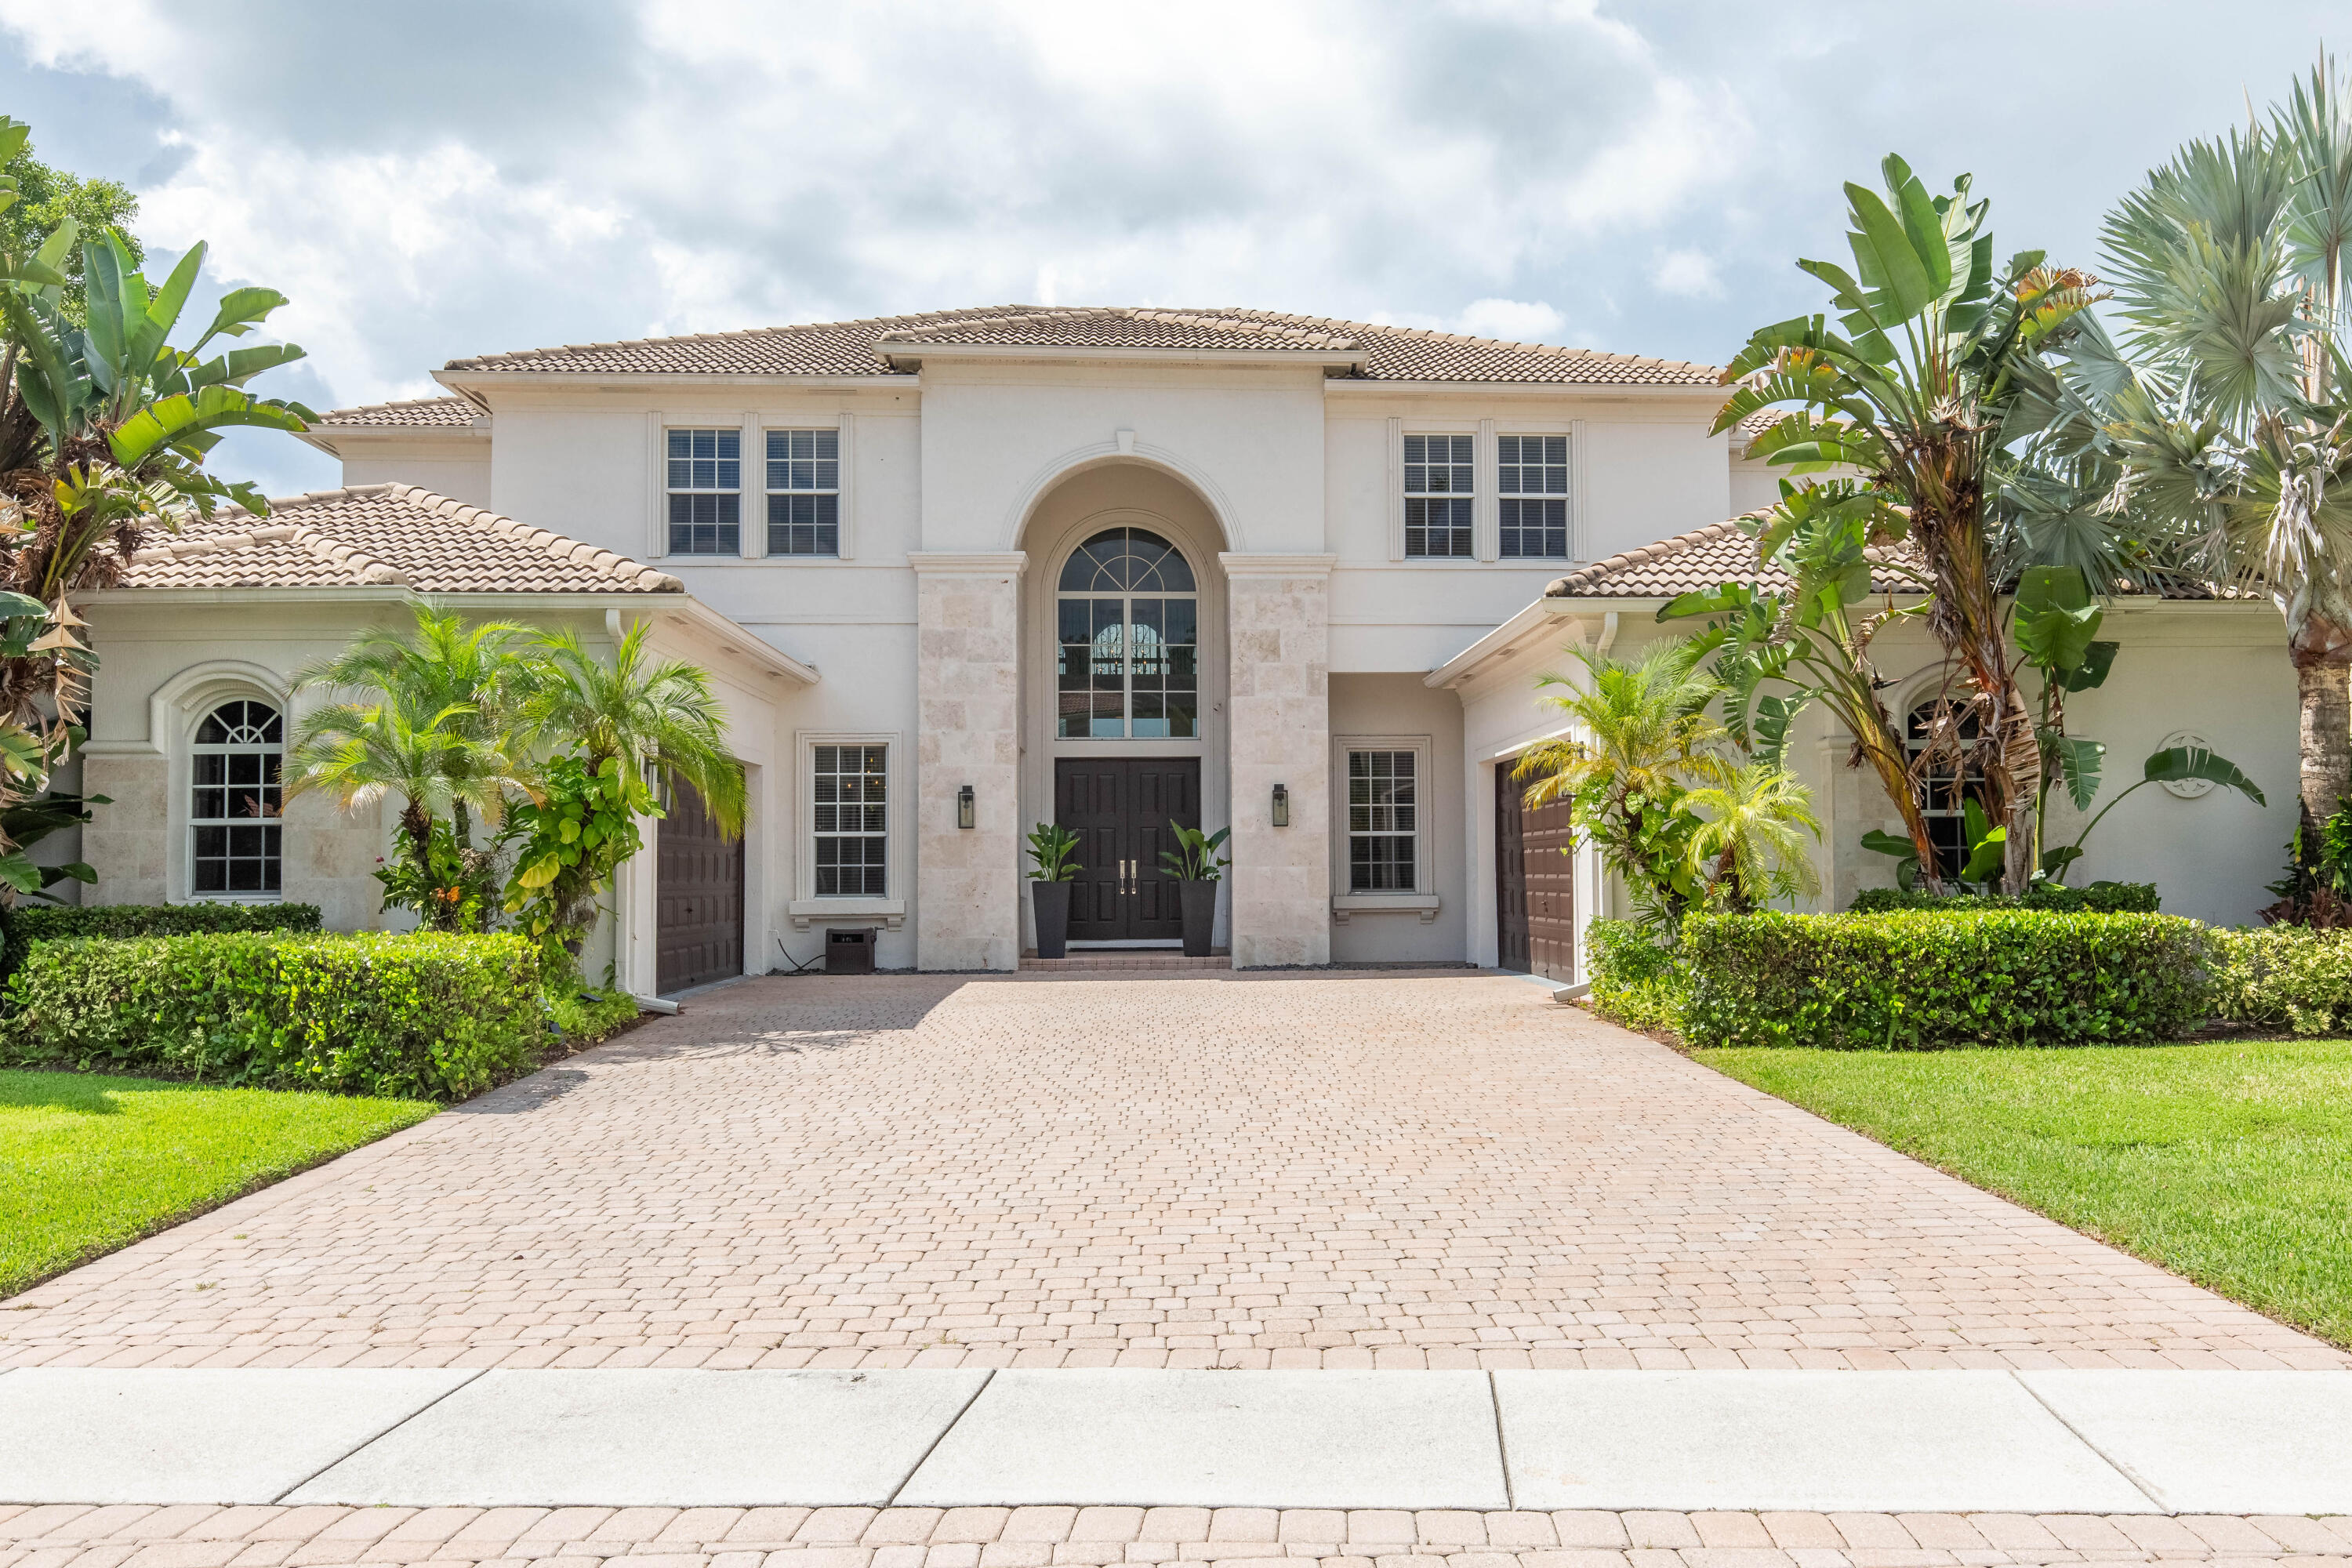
[2228, 1162]
[93, 1163]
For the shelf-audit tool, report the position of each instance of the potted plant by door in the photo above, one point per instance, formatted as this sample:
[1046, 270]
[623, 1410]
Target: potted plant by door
[1055, 850]
[1194, 865]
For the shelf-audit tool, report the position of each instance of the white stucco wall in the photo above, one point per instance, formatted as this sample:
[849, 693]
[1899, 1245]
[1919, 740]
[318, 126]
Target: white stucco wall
[1400, 706]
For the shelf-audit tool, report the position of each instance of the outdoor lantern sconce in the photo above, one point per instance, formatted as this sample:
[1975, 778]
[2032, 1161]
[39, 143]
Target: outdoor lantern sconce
[965, 811]
[1282, 805]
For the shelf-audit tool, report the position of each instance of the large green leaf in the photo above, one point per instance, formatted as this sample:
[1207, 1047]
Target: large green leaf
[241, 310]
[2078, 762]
[162, 423]
[1894, 274]
[2091, 672]
[1881, 842]
[164, 314]
[2056, 619]
[2182, 763]
[1986, 857]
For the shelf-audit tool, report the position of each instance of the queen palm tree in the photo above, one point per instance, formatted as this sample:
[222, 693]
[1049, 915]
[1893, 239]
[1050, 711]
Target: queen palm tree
[2234, 416]
[1644, 738]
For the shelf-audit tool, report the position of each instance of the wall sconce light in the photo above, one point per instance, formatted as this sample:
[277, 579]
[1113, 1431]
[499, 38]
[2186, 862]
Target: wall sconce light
[966, 813]
[1282, 805]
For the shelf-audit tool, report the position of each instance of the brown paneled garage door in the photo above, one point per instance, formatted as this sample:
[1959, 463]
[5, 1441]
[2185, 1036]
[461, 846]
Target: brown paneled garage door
[1534, 882]
[699, 925]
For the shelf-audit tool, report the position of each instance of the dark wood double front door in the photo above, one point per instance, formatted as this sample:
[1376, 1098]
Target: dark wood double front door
[1120, 809]
[1534, 882]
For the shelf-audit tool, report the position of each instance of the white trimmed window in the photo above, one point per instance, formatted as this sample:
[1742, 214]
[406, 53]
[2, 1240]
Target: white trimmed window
[1438, 488]
[1531, 489]
[706, 492]
[235, 800]
[849, 819]
[1383, 819]
[803, 492]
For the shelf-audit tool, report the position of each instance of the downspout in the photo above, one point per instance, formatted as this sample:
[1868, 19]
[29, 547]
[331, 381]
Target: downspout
[1608, 635]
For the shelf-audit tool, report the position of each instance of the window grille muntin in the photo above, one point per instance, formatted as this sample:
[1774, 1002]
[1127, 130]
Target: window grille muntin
[1128, 635]
[850, 820]
[235, 802]
[1531, 486]
[803, 491]
[1383, 821]
[1438, 488]
[1944, 788]
[705, 486]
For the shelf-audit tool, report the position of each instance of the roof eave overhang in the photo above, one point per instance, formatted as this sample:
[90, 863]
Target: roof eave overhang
[1514, 635]
[726, 636]
[324, 437]
[911, 356]
[384, 593]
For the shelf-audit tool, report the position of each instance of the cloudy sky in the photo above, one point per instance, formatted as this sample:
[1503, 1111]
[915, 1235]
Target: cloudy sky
[444, 177]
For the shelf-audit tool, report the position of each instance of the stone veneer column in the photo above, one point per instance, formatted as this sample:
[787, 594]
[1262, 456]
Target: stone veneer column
[968, 693]
[1279, 710]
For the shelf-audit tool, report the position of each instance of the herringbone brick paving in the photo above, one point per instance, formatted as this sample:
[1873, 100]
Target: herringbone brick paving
[202, 1537]
[1388, 1170]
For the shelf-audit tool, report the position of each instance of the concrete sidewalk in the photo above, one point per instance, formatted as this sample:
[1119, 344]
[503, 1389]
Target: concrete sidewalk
[2098, 1443]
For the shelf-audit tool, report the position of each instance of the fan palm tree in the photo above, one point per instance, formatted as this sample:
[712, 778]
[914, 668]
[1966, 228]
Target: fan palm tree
[2234, 415]
[1751, 845]
[1643, 738]
[1931, 381]
[656, 715]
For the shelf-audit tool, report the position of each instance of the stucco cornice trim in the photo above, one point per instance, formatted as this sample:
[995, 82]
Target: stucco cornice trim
[1241, 564]
[1122, 448]
[967, 563]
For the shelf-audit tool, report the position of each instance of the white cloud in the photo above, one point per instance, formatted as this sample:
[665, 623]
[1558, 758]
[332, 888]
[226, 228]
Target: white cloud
[1690, 274]
[1513, 321]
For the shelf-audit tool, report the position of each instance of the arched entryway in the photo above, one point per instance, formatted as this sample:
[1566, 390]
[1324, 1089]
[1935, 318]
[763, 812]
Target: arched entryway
[1124, 688]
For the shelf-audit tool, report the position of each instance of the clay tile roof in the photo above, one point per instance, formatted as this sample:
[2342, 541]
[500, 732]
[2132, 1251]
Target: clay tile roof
[422, 413]
[1704, 558]
[390, 536]
[857, 348]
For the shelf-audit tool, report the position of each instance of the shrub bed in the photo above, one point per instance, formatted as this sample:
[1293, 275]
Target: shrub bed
[1637, 980]
[2296, 977]
[2097, 899]
[1926, 981]
[412, 1016]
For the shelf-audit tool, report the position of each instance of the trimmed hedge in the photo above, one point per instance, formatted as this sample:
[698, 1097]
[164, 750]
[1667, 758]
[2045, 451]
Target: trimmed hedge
[2097, 899]
[1928, 981]
[422, 1015]
[1637, 980]
[2298, 977]
[25, 924]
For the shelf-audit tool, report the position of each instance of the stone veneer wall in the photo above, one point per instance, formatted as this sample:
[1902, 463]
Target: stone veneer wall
[968, 616]
[125, 842]
[1279, 710]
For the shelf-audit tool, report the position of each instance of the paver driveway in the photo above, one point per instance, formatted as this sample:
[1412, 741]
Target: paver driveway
[1289, 1170]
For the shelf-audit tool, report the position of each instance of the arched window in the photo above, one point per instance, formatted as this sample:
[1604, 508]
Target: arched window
[1129, 636]
[1945, 785]
[233, 801]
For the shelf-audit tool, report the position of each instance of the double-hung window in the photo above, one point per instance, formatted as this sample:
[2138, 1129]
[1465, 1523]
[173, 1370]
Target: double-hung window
[706, 492]
[235, 800]
[1437, 495]
[1383, 821]
[850, 820]
[1531, 489]
[803, 492]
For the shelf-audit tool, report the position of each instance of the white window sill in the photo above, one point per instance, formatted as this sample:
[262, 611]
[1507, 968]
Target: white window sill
[890, 913]
[1344, 905]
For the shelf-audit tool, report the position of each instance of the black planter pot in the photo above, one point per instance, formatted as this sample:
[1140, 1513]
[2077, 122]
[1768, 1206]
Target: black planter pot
[1198, 901]
[1051, 901]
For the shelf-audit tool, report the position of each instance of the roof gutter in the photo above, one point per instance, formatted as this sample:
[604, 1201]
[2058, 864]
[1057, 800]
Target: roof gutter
[1527, 625]
[730, 639]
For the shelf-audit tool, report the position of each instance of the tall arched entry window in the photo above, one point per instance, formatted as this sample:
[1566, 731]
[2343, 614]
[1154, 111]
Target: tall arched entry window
[234, 802]
[1128, 612]
[1945, 783]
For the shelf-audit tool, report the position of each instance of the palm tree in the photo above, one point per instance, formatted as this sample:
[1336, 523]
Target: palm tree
[656, 715]
[469, 676]
[1927, 387]
[2234, 415]
[1644, 738]
[1751, 845]
[360, 753]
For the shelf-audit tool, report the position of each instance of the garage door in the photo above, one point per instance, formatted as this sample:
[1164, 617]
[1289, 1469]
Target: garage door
[699, 924]
[1535, 915]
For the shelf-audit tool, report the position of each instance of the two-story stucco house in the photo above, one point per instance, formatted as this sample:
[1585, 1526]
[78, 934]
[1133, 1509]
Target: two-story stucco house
[965, 573]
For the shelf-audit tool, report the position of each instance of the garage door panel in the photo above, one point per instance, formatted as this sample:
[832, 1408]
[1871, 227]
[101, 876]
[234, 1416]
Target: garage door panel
[698, 905]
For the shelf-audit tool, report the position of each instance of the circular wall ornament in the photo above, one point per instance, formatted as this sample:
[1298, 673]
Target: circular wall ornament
[2187, 789]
